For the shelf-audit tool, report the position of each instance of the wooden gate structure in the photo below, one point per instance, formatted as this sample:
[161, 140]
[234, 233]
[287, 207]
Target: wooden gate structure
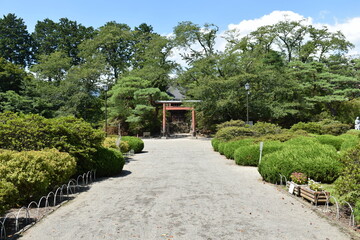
[175, 105]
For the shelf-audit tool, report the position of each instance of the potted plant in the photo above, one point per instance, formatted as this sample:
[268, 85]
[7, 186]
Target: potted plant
[314, 192]
[298, 179]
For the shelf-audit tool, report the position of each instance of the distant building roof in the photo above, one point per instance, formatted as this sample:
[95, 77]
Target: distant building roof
[175, 93]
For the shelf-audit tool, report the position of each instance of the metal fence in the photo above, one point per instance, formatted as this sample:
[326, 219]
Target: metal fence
[341, 210]
[15, 222]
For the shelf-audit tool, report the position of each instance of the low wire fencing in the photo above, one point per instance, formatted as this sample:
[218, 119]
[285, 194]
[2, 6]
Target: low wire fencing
[17, 221]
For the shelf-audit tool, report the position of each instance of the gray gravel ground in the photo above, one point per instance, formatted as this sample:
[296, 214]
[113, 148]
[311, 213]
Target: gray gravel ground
[181, 189]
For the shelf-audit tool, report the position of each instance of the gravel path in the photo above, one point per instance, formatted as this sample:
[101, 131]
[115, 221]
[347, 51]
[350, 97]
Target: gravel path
[181, 189]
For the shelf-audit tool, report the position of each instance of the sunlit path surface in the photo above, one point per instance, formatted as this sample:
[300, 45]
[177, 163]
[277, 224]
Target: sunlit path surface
[181, 189]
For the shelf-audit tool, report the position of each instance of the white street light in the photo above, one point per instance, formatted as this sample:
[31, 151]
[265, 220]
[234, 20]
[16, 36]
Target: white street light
[247, 88]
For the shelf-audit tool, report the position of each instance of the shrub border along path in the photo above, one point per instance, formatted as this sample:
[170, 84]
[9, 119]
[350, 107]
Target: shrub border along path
[182, 189]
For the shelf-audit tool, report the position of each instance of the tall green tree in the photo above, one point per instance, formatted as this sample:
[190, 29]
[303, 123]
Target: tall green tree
[113, 44]
[16, 44]
[52, 67]
[65, 36]
[151, 61]
[198, 41]
[46, 37]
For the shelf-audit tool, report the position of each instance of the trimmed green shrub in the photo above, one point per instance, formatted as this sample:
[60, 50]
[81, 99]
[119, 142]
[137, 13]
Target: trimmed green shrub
[215, 144]
[124, 147]
[348, 184]
[319, 162]
[326, 126]
[357, 211]
[282, 137]
[8, 195]
[108, 162]
[350, 141]
[353, 132]
[231, 123]
[335, 128]
[264, 128]
[334, 141]
[23, 132]
[249, 155]
[310, 127]
[230, 147]
[33, 173]
[221, 147]
[135, 143]
[110, 142]
[76, 137]
[229, 133]
[302, 140]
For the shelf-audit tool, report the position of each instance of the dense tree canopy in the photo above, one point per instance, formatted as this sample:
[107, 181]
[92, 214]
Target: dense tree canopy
[297, 72]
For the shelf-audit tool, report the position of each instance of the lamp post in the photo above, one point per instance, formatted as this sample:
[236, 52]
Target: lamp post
[106, 120]
[247, 88]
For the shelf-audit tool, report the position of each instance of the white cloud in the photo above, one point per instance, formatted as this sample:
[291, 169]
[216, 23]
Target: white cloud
[350, 28]
[247, 26]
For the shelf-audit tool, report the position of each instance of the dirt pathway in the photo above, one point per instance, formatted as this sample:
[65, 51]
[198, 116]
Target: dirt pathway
[181, 189]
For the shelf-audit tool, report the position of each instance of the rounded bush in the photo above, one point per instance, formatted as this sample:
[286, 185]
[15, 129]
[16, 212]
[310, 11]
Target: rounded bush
[350, 141]
[348, 184]
[264, 128]
[8, 195]
[310, 127]
[319, 162]
[231, 123]
[357, 211]
[249, 155]
[302, 140]
[215, 144]
[330, 140]
[335, 128]
[24, 132]
[221, 147]
[124, 147]
[229, 133]
[230, 147]
[326, 126]
[135, 143]
[108, 162]
[282, 137]
[34, 173]
[353, 132]
[110, 142]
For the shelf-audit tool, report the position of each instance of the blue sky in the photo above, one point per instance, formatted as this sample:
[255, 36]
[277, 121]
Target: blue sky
[244, 16]
[164, 15]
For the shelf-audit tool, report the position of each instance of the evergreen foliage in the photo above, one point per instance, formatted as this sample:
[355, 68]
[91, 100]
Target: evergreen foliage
[135, 143]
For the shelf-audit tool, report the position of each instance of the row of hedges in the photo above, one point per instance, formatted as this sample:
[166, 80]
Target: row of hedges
[24, 132]
[317, 156]
[238, 129]
[325, 151]
[318, 161]
[314, 155]
[37, 154]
